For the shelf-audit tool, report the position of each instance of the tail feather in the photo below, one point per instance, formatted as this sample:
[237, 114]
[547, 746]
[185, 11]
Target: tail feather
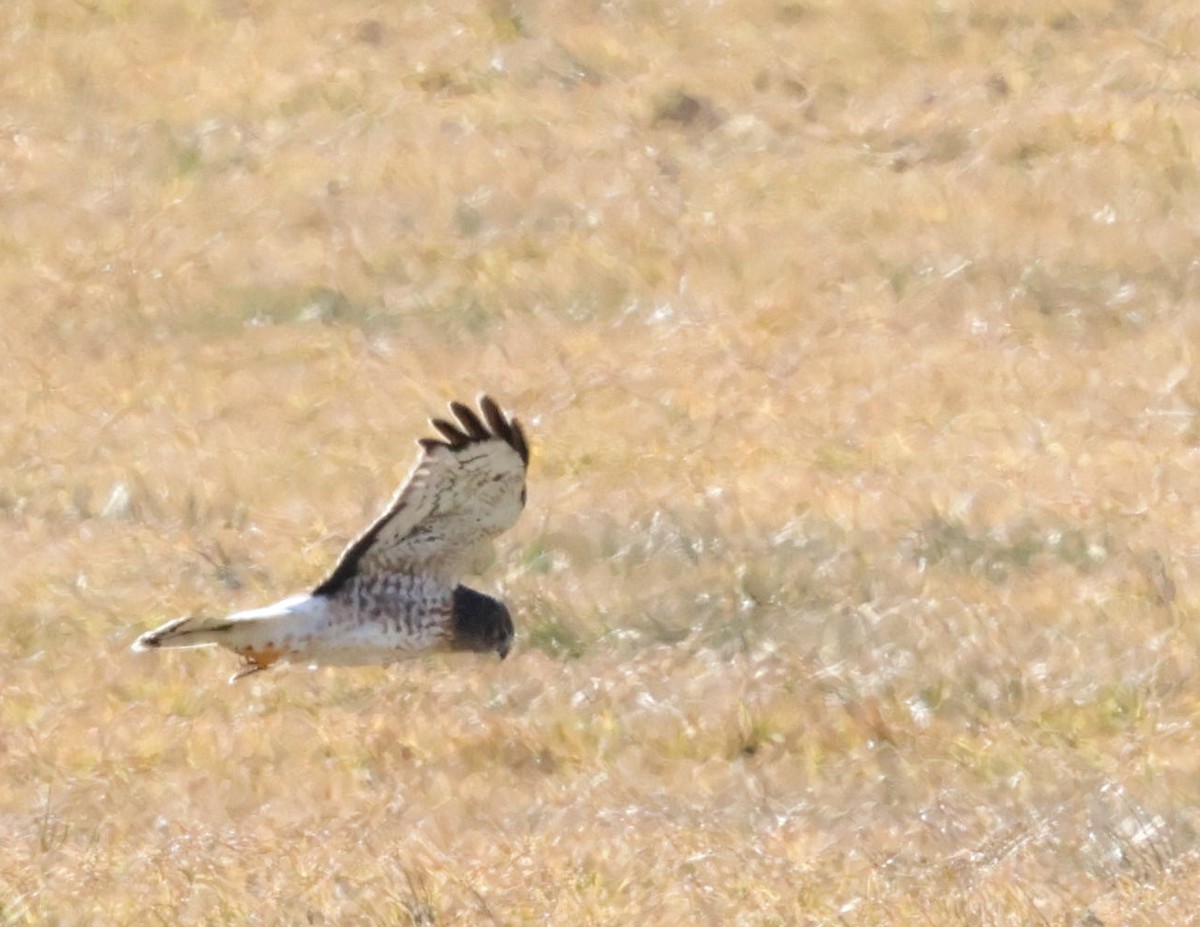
[185, 632]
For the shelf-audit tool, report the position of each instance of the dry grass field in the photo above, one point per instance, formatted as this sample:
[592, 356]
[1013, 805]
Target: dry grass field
[856, 341]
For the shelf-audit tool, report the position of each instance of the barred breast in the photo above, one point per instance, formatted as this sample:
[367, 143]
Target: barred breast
[381, 617]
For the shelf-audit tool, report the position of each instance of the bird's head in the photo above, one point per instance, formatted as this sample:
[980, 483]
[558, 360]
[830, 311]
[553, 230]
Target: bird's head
[481, 624]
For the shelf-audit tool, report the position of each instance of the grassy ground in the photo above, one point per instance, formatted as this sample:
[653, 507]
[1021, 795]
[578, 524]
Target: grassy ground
[856, 341]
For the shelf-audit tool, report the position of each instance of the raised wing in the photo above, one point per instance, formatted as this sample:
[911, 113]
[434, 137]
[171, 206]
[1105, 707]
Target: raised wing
[467, 487]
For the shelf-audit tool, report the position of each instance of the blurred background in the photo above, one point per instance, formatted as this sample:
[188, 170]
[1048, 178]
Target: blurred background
[855, 343]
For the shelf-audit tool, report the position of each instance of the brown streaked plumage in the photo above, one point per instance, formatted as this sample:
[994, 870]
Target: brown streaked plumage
[395, 590]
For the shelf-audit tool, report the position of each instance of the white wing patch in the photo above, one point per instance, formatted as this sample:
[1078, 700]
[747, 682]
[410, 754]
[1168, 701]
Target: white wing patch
[464, 490]
[454, 500]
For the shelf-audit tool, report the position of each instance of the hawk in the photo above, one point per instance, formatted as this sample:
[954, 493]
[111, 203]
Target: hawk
[395, 591]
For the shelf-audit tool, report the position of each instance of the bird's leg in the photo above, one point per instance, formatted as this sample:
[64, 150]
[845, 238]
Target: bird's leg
[254, 663]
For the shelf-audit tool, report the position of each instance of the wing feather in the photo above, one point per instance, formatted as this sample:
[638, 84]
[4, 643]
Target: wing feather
[453, 436]
[466, 487]
[508, 429]
[470, 421]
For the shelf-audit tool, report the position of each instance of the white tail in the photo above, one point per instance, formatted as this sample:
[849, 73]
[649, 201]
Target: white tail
[185, 632]
[249, 629]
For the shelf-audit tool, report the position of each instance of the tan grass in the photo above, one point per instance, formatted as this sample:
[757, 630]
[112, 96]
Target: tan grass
[856, 341]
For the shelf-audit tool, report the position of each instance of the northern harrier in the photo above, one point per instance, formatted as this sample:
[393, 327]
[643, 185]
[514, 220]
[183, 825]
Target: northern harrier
[395, 591]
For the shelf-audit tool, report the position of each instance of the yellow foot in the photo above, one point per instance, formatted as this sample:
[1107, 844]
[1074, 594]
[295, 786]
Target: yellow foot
[255, 662]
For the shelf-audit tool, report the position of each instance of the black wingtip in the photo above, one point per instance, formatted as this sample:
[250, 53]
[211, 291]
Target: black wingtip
[519, 442]
[470, 427]
[509, 429]
[469, 421]
[453, 436]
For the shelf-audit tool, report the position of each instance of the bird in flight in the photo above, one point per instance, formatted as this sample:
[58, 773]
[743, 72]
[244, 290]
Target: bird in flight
[395, 591]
